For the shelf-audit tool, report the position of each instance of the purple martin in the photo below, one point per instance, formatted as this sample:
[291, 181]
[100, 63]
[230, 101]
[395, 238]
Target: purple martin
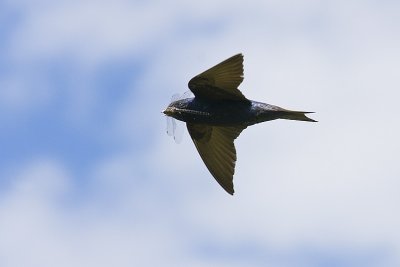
[219, 112]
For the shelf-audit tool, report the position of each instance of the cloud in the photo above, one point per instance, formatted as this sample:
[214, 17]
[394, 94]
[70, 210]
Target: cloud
[306, 194]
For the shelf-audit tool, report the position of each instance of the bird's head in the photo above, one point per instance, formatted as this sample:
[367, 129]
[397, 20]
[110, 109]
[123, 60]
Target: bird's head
[178, 109]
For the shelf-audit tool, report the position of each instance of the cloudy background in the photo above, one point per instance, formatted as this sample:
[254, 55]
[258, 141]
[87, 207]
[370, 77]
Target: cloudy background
[89, 177]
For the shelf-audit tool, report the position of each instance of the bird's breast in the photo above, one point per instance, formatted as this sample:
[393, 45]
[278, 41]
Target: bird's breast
[218, 113]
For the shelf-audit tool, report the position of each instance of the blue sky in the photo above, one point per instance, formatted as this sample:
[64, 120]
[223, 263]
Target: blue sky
[89, 177]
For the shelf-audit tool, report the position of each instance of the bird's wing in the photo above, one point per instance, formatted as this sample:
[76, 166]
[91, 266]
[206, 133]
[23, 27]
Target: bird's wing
[221, 81]
[216, 148]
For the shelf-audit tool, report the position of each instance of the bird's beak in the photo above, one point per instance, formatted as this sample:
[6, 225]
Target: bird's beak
[168, 111]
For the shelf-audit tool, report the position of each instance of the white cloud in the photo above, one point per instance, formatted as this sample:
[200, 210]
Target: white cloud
[38, 221]
[331, 186]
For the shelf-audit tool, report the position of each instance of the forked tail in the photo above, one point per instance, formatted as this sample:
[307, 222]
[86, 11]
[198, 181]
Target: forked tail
[295, 115]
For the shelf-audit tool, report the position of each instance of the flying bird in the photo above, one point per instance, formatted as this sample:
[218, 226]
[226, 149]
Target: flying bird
[219, 112]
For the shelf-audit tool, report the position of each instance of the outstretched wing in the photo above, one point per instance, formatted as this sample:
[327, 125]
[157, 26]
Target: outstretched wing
[221, 81]
[216, 148]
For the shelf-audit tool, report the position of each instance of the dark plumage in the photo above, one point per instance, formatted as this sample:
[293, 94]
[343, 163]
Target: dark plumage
[219, 112]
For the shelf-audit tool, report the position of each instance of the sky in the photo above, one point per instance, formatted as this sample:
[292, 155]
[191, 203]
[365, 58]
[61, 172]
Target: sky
[89, 177]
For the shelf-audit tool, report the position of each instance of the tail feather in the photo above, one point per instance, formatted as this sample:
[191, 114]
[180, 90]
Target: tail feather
[296, 115]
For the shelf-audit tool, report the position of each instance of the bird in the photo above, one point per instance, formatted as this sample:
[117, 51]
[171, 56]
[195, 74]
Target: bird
[219, 112]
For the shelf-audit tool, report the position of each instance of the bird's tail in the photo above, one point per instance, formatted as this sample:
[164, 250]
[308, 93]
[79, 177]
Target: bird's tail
[295, 115]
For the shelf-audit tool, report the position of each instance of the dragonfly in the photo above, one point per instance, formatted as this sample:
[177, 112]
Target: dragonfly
[175, 128]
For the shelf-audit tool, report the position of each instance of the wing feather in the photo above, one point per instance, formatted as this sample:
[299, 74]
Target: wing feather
[221, 81]
[217, 150]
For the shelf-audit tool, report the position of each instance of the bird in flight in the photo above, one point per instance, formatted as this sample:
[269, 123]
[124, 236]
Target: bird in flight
[219, 112]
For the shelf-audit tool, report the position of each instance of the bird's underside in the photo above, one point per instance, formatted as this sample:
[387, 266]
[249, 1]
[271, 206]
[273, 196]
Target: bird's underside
[219, 112]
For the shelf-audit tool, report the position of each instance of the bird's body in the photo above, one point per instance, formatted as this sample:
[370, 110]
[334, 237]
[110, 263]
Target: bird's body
[219, 112]
[228, 112]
